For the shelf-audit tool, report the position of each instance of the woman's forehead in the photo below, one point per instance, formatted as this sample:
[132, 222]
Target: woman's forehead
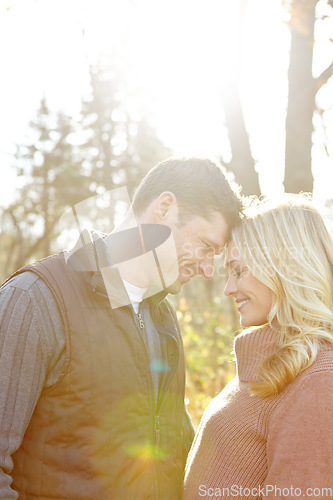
[232, 254]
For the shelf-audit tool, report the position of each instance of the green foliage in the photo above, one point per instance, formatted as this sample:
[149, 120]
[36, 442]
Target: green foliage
[208, 325]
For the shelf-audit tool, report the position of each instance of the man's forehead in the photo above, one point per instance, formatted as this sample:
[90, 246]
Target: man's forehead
[214, 230]
[218, 228]
[211, 221]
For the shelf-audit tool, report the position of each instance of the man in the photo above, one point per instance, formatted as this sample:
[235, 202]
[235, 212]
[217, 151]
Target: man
[92, 368]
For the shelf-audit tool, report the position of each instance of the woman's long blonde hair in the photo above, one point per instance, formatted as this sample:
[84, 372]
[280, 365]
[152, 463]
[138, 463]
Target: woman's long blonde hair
[289, 249]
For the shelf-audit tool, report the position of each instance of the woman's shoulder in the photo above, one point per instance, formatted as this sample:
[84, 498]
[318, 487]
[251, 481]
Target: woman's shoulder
[317, 378]
[311, 390]
[323, 362]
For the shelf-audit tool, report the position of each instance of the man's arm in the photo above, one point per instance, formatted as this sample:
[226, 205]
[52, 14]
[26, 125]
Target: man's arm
[32, 346]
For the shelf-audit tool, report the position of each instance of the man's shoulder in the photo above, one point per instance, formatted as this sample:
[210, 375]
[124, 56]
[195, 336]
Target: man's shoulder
[25, 276]
[30, 288]
[23, 281]
[35, 286]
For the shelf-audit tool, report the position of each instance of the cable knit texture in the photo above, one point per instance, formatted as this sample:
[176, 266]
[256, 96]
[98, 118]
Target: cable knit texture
[254, 447]
[32, 356]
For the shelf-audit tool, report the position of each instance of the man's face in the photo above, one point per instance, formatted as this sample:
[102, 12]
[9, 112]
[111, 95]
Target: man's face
[197, 241]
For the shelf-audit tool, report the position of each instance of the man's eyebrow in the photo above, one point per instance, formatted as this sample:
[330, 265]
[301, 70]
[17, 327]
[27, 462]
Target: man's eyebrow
[214, 245]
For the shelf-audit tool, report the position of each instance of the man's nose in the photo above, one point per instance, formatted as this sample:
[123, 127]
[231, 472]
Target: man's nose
[206, 268]
[230, 287]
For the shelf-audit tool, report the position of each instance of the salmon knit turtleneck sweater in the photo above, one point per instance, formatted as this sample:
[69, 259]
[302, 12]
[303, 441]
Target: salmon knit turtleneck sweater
[248, 446]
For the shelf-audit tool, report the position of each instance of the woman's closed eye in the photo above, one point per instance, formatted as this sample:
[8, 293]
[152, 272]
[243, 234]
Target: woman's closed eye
[239, 272]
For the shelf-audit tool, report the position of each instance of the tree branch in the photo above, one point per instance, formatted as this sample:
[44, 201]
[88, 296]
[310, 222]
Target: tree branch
[323, 78]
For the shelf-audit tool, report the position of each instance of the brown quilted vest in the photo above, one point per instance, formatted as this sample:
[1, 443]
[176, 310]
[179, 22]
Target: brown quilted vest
[98, 433]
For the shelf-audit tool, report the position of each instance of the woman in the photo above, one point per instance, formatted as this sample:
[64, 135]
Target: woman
[269, 433]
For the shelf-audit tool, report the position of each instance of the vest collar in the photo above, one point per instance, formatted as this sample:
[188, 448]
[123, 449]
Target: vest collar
[96, 256]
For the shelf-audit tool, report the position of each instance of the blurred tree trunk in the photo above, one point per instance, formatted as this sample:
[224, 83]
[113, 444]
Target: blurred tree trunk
[302, 97]
[242, 164]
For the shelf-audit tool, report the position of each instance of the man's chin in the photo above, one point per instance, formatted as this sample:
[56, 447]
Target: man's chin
[177, 285]
[174, 288]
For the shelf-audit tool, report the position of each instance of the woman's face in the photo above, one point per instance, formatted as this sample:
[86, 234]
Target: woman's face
[254, 299]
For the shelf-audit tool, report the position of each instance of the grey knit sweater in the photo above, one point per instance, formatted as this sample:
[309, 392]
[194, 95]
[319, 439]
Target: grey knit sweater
[32, 348]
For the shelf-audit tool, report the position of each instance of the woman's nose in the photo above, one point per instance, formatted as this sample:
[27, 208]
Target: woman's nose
[230, 287]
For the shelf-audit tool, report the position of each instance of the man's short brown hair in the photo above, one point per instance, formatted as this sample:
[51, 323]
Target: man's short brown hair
[199, 185]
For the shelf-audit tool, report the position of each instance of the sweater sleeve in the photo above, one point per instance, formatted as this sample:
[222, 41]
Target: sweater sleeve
[32, 347]
[300, 440]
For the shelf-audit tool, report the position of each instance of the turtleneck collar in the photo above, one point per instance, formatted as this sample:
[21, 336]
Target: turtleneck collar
[251, 347]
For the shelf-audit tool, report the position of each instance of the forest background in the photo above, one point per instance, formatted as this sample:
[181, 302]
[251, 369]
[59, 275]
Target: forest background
[113, 135]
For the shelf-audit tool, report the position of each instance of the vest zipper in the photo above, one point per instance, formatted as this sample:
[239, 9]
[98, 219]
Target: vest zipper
[156, 413]
[158, 433]
[156, 418]
[157, 421]
[141, 323]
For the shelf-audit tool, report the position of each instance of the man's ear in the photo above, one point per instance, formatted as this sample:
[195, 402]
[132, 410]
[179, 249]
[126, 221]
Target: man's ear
[165, 206]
